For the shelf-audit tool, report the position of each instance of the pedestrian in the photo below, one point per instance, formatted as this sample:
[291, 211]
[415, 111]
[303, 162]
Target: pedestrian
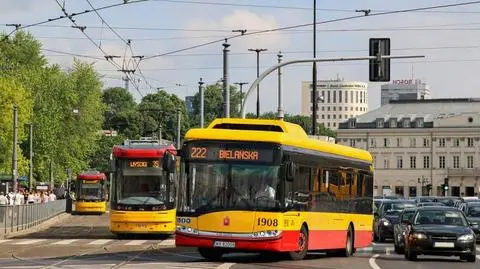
[19, 198]
[52, 196]
[3, 199]
[31, 198]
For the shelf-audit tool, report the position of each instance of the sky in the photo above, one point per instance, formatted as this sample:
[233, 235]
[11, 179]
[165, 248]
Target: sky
[447, 37]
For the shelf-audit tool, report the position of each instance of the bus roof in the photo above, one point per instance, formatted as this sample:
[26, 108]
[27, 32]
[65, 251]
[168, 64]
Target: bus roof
[274, 131]
[91, 176]
[138, 149]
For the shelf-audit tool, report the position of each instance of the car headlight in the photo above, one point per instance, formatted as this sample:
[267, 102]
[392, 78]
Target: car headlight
[419, 236]
[385, 222]
[466, 237]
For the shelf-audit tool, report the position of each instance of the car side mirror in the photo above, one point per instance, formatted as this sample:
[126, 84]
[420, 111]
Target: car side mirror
[169, 163]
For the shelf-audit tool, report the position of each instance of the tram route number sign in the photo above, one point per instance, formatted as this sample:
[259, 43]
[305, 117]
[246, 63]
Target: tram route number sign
[215, 153]
[89, 181]
[144, 163]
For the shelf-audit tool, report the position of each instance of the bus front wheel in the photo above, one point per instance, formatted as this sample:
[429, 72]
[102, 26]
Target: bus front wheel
[302, 245]
[210, 254]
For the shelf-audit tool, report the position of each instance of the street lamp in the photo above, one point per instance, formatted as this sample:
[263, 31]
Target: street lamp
[258, 74]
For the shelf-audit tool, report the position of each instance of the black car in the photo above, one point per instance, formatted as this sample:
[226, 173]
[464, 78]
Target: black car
[400, 228]
[430, 204]
[442, 231]
[472, 211]
[387, 216]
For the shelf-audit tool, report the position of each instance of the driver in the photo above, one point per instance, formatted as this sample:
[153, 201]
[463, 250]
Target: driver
[265, 190]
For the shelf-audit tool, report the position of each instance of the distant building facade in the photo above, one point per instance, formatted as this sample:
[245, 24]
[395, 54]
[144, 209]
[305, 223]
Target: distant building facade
[340, 100]
[189, 103]
[404, 89]
[420, 142]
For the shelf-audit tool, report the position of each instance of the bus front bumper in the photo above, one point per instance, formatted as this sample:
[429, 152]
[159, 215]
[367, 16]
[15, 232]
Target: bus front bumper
[287, 242]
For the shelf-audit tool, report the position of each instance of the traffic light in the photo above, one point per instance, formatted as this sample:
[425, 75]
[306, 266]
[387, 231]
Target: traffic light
[445, 184]
[379, 69]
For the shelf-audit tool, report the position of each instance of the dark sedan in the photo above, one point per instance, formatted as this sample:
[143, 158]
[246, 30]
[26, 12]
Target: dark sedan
[442, 231]
[387, 216]
[472, 212]
[400, 228]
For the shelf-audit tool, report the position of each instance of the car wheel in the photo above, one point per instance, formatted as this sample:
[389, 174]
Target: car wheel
[302, 246]
[469, 258]
[210, 254]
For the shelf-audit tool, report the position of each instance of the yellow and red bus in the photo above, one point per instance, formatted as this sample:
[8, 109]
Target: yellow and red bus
[264, 185]
[142, 196]
[90, 189]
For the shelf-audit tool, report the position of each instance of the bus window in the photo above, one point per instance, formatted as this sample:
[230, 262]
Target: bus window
[301, 186]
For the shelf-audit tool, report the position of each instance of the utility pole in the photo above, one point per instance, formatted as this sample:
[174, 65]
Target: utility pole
[202, 100]
[314, 71]
[226, 90]
[14, 154]
[258, 74]
[51, 174]
[179, 120]
[280, 102]
[126, 79]
[240, 84]
[30, 172]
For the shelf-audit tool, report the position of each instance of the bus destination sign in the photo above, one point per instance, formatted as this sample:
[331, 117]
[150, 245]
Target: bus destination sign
[216, 153]
[144, 163]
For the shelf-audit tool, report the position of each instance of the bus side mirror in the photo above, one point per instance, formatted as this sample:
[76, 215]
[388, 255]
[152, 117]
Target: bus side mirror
[290, 170]
[169, 163]
[111, 166]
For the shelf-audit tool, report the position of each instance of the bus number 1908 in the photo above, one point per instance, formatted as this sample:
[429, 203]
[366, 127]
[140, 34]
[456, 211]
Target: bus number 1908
[267, 222]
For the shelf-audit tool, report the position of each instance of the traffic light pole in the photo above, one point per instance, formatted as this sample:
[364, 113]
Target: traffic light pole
[343, 59]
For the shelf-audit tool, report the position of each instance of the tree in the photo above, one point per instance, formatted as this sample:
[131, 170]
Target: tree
[100, 157]
[12, 93]
[159, 111]
[213, 104]
[121, 112]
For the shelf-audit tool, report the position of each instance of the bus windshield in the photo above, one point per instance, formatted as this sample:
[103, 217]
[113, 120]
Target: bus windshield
[91, 191]
[232, 186]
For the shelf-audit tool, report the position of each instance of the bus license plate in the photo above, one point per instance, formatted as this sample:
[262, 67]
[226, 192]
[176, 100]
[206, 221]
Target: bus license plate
[223, 244]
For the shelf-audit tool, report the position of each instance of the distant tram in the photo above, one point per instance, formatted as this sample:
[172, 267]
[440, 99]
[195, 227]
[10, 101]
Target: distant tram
[91, 196]
[142, 188]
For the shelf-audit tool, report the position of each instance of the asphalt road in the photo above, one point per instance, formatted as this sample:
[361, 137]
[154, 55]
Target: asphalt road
[85, 242]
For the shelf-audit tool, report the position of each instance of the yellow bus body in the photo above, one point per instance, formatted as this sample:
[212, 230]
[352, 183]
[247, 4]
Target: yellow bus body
[90, 207]
[142, 222]
[327, 230]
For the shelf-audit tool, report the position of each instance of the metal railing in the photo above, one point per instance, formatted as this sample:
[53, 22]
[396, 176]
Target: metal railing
[14, 218]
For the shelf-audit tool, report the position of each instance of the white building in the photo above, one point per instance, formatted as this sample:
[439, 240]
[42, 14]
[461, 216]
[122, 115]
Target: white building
[342, 100]
[420, 142]
[404, 89]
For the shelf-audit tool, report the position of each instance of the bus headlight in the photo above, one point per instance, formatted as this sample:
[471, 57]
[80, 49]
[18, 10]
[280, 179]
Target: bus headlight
[187, 230]
[267, 234]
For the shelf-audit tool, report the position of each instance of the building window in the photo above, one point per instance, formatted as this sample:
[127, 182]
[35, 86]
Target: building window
[406, 123]
[352, 142]
[328, 108]
[399, 191]
[441, 142]
[356, 97]
[334, 116]
[323, 116]
[373, 142]
[334, 124]
[469, 161]
[385, 142]
[334, 108]
[426, 161]
[346, 116]
[379, 123]
[339, 108]
[356, 108]
[470, 142]
[340, 96]
[456, 161]
[413, 142]
[399, 142]
[441, 161]
[361, 97]
[328, 116]
[323, 108]
[328, 124]
[323, 94]
[328, 97]
[334, 96]
[399, 162]
[346, 97]
[456, 142]
[340, 116]
[413, 162]
[386, 163]
[351, 108]
[346, 108]
[426, 142]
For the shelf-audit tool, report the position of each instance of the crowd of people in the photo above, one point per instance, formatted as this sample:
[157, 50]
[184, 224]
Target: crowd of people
[26, 197]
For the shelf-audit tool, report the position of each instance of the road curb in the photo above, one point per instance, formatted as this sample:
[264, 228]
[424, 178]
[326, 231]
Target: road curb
[44, 225]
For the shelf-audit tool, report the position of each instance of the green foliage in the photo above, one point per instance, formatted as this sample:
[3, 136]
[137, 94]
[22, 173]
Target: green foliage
[159, 110]
[121, 112]
[213, 104]
[99, 158]
[304, 121]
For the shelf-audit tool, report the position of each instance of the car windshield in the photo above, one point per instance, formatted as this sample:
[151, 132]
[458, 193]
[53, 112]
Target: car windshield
[396, 208]
[474, 211]
[440, 217]
[226, 186]
[431, 204]
[407, 215]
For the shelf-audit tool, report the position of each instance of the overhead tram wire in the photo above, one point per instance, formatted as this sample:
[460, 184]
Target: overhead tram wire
[70, 16]
[310, 24]
[109, 58]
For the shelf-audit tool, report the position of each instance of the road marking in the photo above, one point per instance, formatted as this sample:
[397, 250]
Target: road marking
[372, 262]
[4, 240]
[100, 242]
[364, 250]
[168, 242]
[226, 265]
[64, 242]
[388, 251]
[29, 241]
[135, 243]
